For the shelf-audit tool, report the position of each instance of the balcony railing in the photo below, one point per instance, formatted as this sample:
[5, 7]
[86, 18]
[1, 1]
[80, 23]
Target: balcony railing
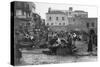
[20, 16]
[23, 17]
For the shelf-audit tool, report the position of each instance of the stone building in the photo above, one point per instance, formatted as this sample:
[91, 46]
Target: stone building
[23, 16]
[76, 13]
[83, 24]
[66, 20]
[90, 23]
[56, 19]
[23, 9]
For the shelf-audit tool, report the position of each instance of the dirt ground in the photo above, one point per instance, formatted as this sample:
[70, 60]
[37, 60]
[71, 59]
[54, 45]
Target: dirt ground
[36, 57]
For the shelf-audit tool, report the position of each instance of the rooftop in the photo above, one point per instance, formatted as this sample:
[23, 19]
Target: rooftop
[56, 12]
[50, 11]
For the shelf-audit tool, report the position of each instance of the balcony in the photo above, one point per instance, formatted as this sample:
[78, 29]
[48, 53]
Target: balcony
[21, 17]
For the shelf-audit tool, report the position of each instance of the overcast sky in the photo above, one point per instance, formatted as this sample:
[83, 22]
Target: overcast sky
[42, 8]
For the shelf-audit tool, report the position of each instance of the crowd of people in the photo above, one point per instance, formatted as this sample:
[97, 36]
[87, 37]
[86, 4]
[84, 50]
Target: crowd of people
[63, 39]
[57, 39]
[69, 39]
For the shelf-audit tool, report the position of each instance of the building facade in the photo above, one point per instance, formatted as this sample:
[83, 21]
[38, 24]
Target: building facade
[22, 10]
[83, 24]
[65, 20]
[90, 23]
[76, 13]
[60, 17]
[23, 19]
[56, 18]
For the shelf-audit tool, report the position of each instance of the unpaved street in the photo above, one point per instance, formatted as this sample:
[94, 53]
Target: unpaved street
[35, 56]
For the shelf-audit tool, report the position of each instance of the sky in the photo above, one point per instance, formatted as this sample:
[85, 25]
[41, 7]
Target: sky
[42, 8]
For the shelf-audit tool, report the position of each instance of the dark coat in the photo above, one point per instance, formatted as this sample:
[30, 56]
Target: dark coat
[90, 44]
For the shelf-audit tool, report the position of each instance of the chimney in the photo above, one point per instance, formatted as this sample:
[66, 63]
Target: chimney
[70, 9]
[49, 10]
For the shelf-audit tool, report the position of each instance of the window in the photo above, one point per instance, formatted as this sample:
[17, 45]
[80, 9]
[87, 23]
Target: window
[75, 15]
[24, 13]
[28, 24]
[62, 18]
[74, 20]
[56, 18]
[63, 23]
[47, 23]
[18, 12]
[92, 24]
[59, 23]
[87, 25]
[51, 23]
[49, 18]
